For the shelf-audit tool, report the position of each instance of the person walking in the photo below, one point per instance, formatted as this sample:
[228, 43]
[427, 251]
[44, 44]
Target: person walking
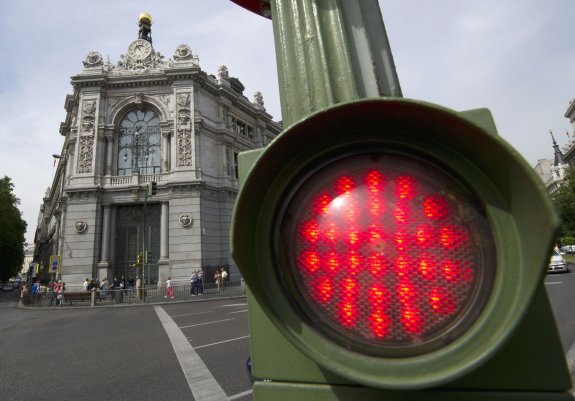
[200, 283]
[36, 291]
[139, 287]
[104, 289]
[217, 279]
[194, 281]
[223, 278]
[60, 297]
[55, 291]
[169, 288]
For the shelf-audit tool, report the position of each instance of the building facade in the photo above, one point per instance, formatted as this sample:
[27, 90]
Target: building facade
[147, 119]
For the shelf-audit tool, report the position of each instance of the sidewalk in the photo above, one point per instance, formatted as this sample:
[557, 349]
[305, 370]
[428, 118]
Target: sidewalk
[121, 297]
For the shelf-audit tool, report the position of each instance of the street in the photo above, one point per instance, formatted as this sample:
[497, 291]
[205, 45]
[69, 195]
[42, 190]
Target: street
[171, 351]
[121, 353]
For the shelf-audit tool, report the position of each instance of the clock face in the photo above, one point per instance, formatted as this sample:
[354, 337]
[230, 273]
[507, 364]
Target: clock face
[140, 49]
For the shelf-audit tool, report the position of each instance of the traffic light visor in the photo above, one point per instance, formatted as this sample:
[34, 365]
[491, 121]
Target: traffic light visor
[387, 254]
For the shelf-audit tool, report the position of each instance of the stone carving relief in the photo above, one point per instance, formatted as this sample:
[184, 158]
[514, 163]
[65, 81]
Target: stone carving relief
[186, 221]
[139, 100]
[141, 56]
[184, 131]
[183, 53]
[87, 125]
[258, 100]
[112, 101]
[81, 226]
[223, 72]
[93, 59]
[164, 98]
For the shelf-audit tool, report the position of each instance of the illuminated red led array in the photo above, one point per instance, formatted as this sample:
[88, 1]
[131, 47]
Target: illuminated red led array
[384, 255]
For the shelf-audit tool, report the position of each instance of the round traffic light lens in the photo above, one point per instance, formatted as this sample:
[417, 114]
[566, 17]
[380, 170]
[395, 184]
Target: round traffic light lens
[387, 254]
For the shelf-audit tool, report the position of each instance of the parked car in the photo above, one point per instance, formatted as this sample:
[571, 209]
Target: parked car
[557, 263]
[568, 249]
[7, 287]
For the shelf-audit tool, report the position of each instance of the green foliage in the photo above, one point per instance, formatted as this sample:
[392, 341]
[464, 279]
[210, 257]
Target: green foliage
[12, 232]
[567, 241]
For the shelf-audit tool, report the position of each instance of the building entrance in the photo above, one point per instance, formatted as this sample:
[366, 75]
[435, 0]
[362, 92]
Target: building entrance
[129, 241]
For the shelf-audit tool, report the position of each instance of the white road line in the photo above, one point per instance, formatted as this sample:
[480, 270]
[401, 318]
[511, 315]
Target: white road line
[202, 324]
[554, 282]
[225, 306]
[221, 342]
[236, 396]
[190, 314]
[238, 311]
[203, 385]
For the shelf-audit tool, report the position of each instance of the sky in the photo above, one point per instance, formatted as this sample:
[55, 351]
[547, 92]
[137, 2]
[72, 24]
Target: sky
[514, 57]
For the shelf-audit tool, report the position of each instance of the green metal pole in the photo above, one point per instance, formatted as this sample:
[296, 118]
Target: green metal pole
[144, 254]
[329, 52]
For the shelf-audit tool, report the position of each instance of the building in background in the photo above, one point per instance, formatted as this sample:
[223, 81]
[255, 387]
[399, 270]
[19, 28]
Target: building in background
[553, 171]
[147, 119]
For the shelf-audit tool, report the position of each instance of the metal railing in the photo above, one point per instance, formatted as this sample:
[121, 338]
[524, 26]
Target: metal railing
[150, 295]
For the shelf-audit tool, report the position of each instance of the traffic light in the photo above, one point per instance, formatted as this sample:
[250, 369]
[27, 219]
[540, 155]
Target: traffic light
[152, 188]
[396, 250]
[139, 261]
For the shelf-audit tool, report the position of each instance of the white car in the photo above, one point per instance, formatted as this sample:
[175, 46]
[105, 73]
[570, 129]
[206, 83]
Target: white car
[557, 263]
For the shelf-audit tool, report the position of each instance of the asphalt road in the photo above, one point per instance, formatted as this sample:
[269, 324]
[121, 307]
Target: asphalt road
[561, 289]
[173, 351]
[120, 353]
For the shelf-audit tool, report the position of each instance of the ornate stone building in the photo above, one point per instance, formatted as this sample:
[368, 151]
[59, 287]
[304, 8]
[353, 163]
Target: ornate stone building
[148, 119]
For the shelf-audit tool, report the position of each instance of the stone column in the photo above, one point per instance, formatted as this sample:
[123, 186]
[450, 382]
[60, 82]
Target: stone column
[164, 261]
[109, 153]
[165, 151]
[104, 264]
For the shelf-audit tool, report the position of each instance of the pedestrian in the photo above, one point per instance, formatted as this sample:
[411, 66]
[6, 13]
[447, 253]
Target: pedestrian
[36, 291]
[123, 284]
[224, 276]
[217, 279]
[23, 291]
[200, 283]
[55, 292]
[169, 288]
[60, 296]
[86, 285]
[194, 281]
[115, 287]
[139, 287]
[104, 289]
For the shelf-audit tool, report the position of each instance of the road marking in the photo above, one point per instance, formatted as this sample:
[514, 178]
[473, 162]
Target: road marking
[190, 314]
[221, 342]
[240, 395]
[238, 311]
[225, 306]
[202, 324]
[203, 385]
[554, 282]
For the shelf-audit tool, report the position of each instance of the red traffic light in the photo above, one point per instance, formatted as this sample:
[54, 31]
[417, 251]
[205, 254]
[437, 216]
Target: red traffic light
[385, 240]
[388, 254]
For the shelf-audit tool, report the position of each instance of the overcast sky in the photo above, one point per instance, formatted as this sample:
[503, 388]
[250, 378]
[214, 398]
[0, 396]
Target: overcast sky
[514, 57]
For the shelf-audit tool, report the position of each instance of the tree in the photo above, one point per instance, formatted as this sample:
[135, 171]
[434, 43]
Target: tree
[564, 199]
[12, 232]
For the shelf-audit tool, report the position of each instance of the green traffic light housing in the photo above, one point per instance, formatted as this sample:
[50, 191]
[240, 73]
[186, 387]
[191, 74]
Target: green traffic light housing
[152, 188]
[391, 305]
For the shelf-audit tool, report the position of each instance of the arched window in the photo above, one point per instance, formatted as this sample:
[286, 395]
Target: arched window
[139, 143]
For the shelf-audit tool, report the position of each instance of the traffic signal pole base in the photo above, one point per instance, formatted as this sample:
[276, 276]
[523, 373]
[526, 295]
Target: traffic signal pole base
[277, 391]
